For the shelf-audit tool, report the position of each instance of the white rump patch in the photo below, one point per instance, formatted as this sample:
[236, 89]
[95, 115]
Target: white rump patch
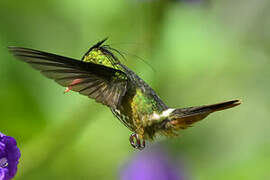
[163, 115]
[167, 112]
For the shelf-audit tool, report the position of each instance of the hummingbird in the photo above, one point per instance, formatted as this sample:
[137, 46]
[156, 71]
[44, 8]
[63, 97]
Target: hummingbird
[101, 76]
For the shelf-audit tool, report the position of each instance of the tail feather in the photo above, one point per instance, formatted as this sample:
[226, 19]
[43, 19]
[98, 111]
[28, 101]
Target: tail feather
[214, 107]
[183, 118]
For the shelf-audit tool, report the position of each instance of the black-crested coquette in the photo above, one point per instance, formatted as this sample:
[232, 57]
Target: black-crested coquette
[101, 76]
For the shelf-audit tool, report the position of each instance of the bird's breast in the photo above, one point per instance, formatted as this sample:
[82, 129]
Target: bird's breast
[138, 111]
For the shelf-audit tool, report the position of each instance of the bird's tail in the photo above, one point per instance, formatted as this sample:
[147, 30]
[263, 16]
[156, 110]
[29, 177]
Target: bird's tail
[183, 118]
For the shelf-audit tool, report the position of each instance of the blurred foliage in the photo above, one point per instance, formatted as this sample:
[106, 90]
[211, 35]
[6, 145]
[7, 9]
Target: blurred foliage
[202, 52]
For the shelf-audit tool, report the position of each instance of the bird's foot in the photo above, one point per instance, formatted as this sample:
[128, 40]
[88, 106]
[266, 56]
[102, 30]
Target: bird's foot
[136, 141]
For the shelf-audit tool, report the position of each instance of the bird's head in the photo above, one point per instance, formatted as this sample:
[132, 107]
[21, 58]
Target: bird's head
[102, 54]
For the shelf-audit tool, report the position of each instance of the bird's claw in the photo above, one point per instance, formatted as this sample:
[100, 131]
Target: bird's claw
[136, 141]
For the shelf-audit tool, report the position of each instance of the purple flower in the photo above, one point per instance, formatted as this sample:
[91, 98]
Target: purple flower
[151, 164]
[9, 157]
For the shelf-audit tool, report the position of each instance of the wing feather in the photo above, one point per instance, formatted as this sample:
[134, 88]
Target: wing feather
[95, 81]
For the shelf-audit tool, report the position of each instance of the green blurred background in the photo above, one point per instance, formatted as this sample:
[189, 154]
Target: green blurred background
[202, 52]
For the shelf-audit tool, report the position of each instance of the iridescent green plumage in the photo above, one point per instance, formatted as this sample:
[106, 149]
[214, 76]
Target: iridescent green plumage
[98, 56]
[139, 102]
[101, 76]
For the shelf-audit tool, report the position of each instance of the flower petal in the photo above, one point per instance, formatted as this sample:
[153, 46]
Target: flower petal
[152, 164]
[2, 149]
[3, 172]
[10, 151]
[13, 153]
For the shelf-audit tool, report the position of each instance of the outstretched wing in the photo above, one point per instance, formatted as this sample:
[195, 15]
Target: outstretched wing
[104, 84]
